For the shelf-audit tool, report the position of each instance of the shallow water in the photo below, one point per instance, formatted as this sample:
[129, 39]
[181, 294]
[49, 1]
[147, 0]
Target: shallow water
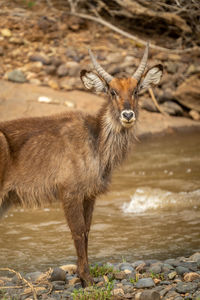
[152, 211]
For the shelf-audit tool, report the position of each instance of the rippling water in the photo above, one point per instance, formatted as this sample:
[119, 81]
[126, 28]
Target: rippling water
[151, 211]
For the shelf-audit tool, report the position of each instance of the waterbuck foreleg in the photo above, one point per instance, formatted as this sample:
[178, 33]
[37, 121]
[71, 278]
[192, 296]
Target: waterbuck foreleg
[88, 206]
[74, 213]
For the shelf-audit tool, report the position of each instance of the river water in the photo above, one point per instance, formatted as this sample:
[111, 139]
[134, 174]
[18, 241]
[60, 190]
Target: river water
[151, 211]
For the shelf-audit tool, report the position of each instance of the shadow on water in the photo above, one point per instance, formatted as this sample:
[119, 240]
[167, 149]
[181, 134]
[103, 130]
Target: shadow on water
[151, 211]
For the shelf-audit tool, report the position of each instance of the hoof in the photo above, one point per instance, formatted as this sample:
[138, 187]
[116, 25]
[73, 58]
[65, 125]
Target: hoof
[86, 281]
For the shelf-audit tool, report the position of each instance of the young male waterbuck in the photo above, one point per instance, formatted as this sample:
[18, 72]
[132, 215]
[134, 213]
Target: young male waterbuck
[71, 156]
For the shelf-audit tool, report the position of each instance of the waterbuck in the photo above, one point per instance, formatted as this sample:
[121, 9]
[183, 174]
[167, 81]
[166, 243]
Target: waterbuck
[71, 156]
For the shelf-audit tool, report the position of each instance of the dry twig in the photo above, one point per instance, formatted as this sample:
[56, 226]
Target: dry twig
[155, 102]
[22, 279]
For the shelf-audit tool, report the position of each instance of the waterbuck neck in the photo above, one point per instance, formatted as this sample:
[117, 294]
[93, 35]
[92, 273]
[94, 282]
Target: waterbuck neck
[114, 141]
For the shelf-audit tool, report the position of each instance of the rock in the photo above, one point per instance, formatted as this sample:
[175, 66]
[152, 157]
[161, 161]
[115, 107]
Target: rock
[188, 93]
[74, 281]
[172, 108]
[70, 269]
[156, 268]
[41, 58]
[53, 84]
[35, 67]
[137, 263]
[166, 268]
[172, 295]
[6, 32]
[188, 287]
[173, 262]
[172, 275]
[181, 270]
[33, 276]
[193, 69]
[126, 266]
[191, 276]
[56, 61]
[194, 115]
[73, 68]
[58, 285]
[172, 67]
[148, 295]
[62, 70]
[58, 275]
[50, 69]
[198, 263]
[145, 283]
[195, 257]
[120, 275]
[118, 292]
[148, 105]
[16, 76]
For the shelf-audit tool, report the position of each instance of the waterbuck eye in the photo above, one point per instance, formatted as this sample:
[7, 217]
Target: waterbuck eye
[113, 93]
[135, 93]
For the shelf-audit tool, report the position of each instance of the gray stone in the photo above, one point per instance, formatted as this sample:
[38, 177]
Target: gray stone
[38, 57]
[148, 295]
[166, 268]
[172, 108]
[172, 67]
[58, 275]
[173, 262]
[189, 287]
[181, 270]
[62, 70]
[33, 276]
[145, 283]
[195, 257]
[126, 266]
[73, 68]
[137, 263]
[198, 263]
[148, 105]
[16, 76]
[156, 268]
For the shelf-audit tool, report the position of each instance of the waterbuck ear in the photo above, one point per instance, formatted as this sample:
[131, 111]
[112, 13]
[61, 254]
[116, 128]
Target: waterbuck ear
[152, 77]
[93, 82]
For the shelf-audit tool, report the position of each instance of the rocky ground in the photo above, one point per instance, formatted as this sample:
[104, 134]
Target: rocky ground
[172, 279]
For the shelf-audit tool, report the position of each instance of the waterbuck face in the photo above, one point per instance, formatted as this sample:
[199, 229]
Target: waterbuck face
[122, 92]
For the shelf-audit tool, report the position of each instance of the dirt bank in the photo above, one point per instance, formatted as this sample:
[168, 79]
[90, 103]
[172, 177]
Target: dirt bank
[24, 100]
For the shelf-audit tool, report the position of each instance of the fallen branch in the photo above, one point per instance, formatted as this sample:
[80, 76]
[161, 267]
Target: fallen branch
[130, 36]
[22, 279]
[156, 103]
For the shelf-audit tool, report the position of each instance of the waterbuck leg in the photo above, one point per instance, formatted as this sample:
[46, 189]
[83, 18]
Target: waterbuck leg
[88, 206]
[74, 213]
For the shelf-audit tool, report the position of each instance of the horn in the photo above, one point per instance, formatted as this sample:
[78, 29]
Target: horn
[140, 70]
[107, 77]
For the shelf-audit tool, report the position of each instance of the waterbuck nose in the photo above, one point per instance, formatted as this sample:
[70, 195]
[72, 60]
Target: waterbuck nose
[128, 115]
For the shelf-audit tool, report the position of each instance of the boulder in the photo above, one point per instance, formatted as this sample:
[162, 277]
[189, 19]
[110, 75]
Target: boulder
[188, 93]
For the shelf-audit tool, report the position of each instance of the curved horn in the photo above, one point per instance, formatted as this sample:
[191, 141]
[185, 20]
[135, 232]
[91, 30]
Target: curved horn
[140, 70]
[107, 77]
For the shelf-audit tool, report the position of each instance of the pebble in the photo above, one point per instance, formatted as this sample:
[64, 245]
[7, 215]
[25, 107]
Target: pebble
[16, 76]
[58, 275]
[6, 32]
[148, 295]
[181, 270]
[145, 283]
[176, 280]
[183, 287]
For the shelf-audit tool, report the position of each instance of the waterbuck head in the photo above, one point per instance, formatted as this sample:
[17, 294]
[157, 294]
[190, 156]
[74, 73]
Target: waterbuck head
[123, 92]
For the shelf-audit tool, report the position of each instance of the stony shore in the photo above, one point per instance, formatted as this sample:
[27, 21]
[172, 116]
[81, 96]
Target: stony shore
[172, 279]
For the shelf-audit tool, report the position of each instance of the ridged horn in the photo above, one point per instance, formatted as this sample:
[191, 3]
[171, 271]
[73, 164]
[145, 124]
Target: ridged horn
[106, 76]
[140, 70]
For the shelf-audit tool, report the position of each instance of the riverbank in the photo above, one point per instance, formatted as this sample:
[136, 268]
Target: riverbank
[174, 278]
